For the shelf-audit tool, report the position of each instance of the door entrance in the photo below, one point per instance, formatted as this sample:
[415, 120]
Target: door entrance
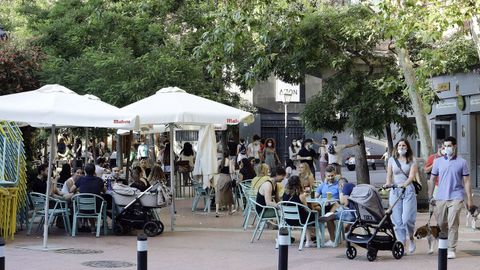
[444, 127]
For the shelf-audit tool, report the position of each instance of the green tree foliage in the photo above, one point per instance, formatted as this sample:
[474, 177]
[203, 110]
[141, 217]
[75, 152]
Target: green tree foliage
[253, 39]
[122, 51]
[18, 68]
[360, 102]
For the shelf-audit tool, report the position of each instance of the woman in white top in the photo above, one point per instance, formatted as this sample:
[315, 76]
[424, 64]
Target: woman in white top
[293, 150]
[401, 171]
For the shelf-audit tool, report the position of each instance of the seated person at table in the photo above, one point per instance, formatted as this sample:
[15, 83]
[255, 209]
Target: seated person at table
[247, 171]
[39, 183]
[139, 181]
[306, 176]
[267, 194]
[89, 183]
[345, 191]
[262, 177]
[294, 193]
[116, 176]
[67, 186]
[330, 186]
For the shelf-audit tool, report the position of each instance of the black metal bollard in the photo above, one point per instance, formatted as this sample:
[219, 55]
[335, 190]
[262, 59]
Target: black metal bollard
[142, 252]
[283, 243]
[442, 251]
[2, 254]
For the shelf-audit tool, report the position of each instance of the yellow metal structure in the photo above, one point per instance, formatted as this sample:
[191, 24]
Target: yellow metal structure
[13, 178]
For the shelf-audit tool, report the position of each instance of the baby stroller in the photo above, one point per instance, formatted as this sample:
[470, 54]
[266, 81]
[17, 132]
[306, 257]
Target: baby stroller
[373, 229]
[138, 211]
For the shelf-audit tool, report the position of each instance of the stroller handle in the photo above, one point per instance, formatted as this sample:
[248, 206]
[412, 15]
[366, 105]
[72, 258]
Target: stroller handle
[394, 186]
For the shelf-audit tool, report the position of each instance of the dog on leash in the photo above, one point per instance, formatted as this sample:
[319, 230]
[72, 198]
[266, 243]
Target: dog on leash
[429, 232]
[472, 217]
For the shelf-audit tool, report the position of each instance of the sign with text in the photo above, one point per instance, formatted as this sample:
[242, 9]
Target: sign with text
[442, 87]
[282, 87]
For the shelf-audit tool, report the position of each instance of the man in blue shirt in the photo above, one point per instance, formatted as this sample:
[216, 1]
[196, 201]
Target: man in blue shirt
[453, 185]
[89, 183]
[330, 186]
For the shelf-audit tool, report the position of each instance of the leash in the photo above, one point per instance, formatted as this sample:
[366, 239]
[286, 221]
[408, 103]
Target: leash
[429, 230]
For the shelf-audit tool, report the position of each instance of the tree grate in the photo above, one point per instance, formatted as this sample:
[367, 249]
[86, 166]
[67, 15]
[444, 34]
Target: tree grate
[108, 264]
[79, 251]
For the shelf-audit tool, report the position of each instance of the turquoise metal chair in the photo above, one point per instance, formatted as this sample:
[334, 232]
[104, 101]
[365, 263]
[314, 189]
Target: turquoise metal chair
[85, 206]
[340, 230]
[290, 217]
[268, 213]
[249, 207]
[200, 193]
[59, 209]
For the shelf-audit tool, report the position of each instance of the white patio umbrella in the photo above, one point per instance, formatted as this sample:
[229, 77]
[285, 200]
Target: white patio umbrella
[173, 105]
[55, 105]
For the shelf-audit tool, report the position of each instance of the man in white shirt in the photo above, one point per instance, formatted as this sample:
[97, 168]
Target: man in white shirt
[334, 151]
[253, 149]
[142, 152]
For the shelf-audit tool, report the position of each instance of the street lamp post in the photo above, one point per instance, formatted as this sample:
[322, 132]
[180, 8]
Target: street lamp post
[287, 96]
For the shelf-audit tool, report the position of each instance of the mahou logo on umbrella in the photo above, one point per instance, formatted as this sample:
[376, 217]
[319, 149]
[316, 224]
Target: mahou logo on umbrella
[116, 121]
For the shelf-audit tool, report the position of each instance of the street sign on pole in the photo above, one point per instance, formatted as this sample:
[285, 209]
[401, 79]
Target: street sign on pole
[282, 87]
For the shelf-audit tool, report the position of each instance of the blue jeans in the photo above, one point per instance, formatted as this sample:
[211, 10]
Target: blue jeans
[404, 213]
[347, 216]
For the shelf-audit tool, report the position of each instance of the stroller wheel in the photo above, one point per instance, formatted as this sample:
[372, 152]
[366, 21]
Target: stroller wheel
[160, 227]
[351, 252]
[118, 229]
[398, 250]
[372, 254]
[150, 228]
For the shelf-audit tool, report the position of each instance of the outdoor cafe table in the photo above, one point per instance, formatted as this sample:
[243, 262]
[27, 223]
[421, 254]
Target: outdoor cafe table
[323, 202]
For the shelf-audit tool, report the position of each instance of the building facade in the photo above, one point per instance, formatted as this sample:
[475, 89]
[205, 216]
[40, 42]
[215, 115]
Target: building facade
[458, 114]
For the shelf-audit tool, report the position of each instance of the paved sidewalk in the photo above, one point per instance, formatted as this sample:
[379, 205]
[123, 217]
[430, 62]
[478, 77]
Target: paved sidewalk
[202, 241]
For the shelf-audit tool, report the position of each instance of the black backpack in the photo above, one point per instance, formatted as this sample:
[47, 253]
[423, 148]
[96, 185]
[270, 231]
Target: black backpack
[331, 149]
[243, 149]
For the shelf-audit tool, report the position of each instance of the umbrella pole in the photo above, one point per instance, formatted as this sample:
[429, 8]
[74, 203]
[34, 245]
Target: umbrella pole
[86, 147]
[49, 180]
[172, 177]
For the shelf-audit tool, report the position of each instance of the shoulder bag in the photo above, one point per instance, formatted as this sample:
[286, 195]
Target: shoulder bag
[416, 184]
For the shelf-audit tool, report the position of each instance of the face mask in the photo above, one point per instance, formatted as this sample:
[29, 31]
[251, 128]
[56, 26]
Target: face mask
[269, 144]
[449, 151]
[310, 146]
[402, 152]
[334, 142]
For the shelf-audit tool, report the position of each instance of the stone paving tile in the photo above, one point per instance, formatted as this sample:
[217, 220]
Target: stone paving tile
[203, 241]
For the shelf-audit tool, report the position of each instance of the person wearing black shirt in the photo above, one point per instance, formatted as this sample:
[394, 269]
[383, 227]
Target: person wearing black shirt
[39, 184]
[307, 154]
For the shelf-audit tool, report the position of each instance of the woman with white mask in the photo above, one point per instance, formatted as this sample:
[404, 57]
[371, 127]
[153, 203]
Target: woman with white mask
[269, 155]
[401, 171]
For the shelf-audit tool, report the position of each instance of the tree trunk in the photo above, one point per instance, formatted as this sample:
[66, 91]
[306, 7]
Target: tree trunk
[388, 130]
[475, 31]
[420, 117]
[361, 166]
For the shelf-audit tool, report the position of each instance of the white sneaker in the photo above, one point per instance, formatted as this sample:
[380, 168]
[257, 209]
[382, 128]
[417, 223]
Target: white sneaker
[411, 247]
[451, 255]
[329, 243]
[310, 245]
